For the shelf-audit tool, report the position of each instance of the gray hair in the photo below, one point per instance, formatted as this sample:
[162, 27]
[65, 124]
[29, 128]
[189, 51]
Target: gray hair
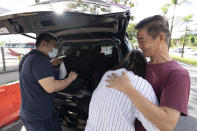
[155, 25]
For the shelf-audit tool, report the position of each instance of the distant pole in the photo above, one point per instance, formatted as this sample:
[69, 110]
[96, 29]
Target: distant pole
[3, 58]
[37, 1]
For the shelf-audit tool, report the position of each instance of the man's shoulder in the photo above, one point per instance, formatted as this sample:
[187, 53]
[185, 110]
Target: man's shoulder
[176, 68]
[175, 72]
[164, 71]
[168, 68]
[36, 58]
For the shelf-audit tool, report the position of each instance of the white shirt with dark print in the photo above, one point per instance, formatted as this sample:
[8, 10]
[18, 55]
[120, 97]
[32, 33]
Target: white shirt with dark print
[112, 110]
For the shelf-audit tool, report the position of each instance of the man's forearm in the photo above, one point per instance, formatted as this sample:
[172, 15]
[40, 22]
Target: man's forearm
[61, 84]
[51, 85]
[157, 115]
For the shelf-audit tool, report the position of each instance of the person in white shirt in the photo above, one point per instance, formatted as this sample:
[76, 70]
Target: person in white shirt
[112, 110]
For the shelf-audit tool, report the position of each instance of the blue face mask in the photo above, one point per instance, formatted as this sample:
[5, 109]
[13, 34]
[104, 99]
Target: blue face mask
[53, 53]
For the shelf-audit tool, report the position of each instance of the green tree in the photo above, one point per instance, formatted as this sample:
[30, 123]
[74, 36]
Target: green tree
[2, 43]
[192, 39]
[173, 42]
[195, 37]
[165, 9]
[124, 2]
[186, 20]
[132, 33]
[174, 3]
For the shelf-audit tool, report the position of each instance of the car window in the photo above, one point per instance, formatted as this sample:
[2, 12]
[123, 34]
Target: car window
[107, 50]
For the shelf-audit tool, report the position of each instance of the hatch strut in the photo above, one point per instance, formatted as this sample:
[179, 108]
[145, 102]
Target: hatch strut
[29, 36]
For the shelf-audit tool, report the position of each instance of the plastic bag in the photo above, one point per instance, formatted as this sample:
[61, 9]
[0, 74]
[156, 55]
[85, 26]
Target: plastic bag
[63, 71]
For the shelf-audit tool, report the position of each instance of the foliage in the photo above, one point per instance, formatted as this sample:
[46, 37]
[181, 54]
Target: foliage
[192, 39]
[175, 2]
[173, 42]
[186, 20]
[185, 60]
[124, 2]
[132, 32]
[2, 43]
[165, 8]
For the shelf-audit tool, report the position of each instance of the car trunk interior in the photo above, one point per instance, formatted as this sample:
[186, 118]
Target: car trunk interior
[90, 59]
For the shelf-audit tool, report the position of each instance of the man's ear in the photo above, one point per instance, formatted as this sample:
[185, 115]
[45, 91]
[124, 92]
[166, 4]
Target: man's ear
[162, 37]
[43, 43]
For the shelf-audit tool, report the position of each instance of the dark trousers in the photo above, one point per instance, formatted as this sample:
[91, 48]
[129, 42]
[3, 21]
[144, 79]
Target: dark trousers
[50, 124]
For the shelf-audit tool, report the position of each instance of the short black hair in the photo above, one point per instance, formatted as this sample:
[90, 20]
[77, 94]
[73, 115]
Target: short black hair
[155, 25]
[136, 59]
[46, 37]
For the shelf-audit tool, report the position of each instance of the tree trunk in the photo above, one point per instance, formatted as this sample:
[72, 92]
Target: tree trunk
[172, 22]
[37, 1]
[182, 52]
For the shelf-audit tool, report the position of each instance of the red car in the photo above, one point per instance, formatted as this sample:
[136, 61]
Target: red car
[10, 103]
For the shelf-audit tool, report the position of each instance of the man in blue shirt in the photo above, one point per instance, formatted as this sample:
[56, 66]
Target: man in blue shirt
[38, 84]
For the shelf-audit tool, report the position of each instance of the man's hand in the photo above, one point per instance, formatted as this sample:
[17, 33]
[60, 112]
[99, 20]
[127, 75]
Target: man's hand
[51, 85]
[56, 61]
[72, 76]
[165, 118]
[120, 83]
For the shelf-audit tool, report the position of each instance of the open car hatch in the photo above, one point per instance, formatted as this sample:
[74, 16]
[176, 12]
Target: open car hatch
[67, 17]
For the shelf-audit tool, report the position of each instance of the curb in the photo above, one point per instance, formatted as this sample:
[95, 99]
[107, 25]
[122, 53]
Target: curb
[8, 71]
